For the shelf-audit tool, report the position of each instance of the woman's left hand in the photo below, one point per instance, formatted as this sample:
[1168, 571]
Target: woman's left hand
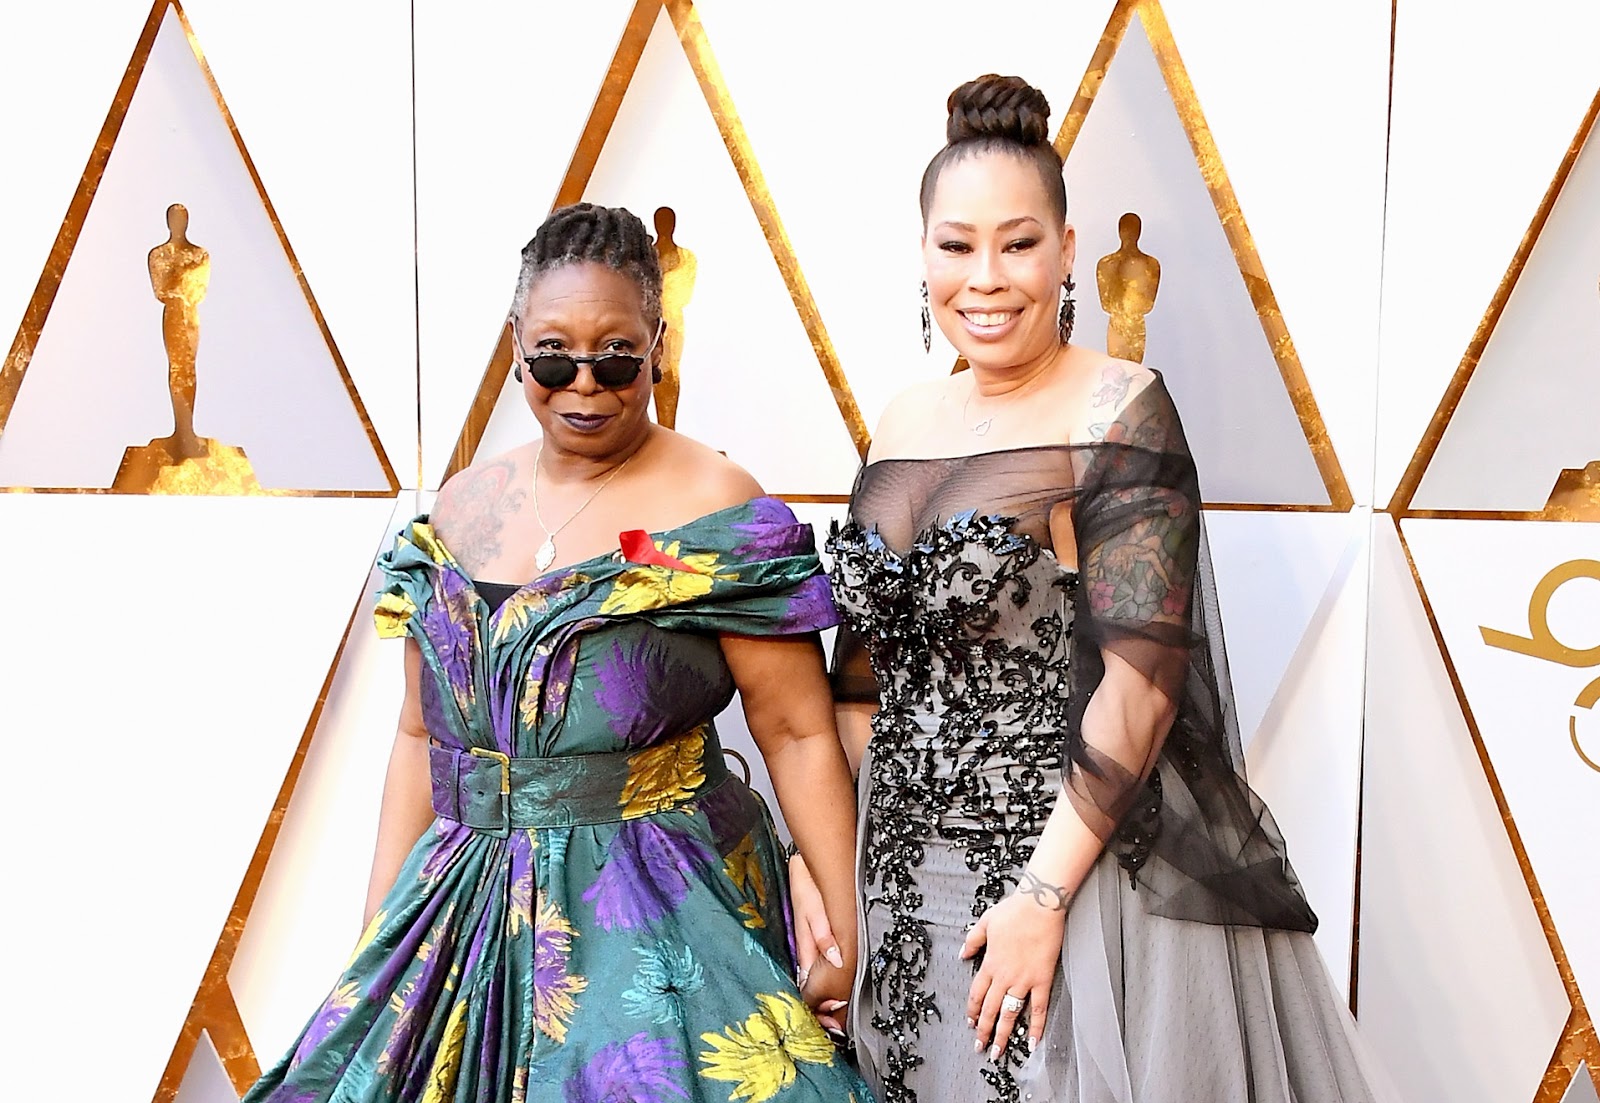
[1021, 942]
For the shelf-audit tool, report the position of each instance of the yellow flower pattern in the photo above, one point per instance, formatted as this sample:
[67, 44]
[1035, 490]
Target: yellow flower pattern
[744, 869]
[648, 586]
[367, 936]
[393, 613]
[554, 989]
[759, 1056]
[447, 1060]
[664, 776]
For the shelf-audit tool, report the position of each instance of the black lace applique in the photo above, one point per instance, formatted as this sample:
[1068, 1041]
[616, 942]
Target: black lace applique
[987, 779]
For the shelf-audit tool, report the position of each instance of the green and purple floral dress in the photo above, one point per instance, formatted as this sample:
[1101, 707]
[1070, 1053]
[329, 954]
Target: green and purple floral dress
[599, 912]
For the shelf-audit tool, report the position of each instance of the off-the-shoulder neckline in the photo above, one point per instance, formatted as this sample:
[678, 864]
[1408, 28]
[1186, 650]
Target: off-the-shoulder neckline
[1159, 382]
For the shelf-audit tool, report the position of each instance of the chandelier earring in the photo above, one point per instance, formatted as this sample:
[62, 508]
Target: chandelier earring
[927, 321]
[1068, 309]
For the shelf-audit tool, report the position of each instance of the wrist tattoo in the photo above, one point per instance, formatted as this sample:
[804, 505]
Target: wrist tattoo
[1046, 895]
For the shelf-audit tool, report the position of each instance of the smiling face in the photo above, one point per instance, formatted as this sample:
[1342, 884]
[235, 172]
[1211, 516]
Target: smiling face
[996, 257]
[586, 307]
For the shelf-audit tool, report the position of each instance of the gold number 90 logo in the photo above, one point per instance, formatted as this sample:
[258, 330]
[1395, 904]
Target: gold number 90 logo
[1541, 642]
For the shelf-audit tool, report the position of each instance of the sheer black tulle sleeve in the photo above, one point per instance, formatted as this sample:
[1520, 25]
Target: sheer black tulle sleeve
[1208, 847]
[1137, 524]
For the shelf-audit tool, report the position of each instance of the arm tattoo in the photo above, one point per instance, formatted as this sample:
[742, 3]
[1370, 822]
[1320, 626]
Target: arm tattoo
[475, 510]
[1046, 895]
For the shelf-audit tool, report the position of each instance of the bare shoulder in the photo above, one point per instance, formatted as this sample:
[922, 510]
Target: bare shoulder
[700, 478]
[1115, 384]
[907, 414]
[473, 504]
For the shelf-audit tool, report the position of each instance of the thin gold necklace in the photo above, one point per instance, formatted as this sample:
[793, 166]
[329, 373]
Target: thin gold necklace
[546, 554]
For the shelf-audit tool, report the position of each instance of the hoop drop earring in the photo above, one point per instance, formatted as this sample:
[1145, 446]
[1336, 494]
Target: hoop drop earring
[1068, 309]
[655, 375]
[927, 321]
[516, 370]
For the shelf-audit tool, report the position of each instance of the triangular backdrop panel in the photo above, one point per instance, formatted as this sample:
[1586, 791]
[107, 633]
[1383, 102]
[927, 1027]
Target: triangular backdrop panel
[206, 1081]
[1458, 994]
[751, 383]
[1273, 572]
[268, 378]
[1525, 698]
[203, 629]
[1532, 406]
[1581, 1090]
[1203, 332]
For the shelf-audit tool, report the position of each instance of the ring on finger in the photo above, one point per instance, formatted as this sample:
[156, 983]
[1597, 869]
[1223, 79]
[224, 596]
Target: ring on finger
[1011, 1004]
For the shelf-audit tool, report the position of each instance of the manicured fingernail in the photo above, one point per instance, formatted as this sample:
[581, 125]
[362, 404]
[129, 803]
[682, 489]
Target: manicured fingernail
[977, 1045]
[800, 982]
[1031, 1043]
[994, 1052]
[836, 957]
[971, 1023]
[833, 1005]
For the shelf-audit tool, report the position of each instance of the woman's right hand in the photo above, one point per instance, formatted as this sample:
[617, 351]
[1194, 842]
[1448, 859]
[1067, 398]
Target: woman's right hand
[819, 984]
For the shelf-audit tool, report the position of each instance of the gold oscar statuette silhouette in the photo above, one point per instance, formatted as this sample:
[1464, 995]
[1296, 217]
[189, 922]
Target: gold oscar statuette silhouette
[182, 463]
[1128, 281]
[678, 266]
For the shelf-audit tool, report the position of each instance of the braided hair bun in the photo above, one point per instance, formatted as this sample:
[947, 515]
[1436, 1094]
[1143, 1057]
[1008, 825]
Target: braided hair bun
[1005, 114]
[994, 107]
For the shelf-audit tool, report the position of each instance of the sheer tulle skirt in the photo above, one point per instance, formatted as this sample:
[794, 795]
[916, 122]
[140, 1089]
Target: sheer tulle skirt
[1144, 1010]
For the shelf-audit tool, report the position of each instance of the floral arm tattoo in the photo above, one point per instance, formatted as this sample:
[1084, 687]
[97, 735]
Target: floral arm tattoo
[1048, 896]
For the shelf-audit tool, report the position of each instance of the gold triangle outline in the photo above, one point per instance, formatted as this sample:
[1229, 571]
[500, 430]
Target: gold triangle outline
[1186, 102]
[597, 129]
[1578, 1041]
[37, 312]
[213, 1009]
[1445, 411]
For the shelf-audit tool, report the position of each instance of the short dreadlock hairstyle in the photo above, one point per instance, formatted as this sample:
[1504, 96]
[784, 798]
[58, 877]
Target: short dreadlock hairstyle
[612, 236]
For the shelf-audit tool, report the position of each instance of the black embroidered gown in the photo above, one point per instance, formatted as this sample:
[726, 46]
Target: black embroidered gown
[1188, 972]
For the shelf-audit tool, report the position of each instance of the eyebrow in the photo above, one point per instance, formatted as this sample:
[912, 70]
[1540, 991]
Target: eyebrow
[1006, 225]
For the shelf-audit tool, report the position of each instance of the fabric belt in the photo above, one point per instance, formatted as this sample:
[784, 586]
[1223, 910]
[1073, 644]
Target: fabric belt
[496, 794]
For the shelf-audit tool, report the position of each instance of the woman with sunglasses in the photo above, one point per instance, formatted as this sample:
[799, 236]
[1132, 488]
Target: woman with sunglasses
[572, 899]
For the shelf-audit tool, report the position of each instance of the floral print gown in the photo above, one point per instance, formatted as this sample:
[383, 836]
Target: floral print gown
[599, 911]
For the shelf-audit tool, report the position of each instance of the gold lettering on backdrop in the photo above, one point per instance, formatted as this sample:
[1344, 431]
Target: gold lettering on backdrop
[678, 268]
[1128, 280]
[1541, 642]
[182, 463]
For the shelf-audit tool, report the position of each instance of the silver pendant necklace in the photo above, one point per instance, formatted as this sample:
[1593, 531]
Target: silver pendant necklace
[980, 428]
[546, 554]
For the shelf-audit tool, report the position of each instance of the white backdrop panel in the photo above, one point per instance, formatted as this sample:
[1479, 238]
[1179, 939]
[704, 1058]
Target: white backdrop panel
[1305, 757]
[1487, 97]
[502, 91]
[1523, 702]
[172, 656]
[1458, 993]
[66, 68]
[1532, 403]
[307, 913]
[1297, 99]
[845, 103]
[1203, 333]
[321, 93]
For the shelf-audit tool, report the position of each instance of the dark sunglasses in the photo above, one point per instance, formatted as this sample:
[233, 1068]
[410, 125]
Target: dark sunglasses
[612, 370]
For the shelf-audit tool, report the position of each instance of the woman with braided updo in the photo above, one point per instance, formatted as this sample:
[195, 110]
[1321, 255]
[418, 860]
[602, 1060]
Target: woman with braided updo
[572, 898]
[1068, 890]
